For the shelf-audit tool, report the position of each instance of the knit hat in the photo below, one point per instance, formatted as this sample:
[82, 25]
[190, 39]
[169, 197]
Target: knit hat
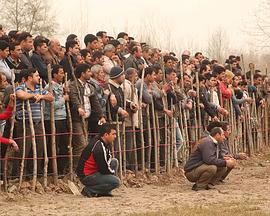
[116, 72]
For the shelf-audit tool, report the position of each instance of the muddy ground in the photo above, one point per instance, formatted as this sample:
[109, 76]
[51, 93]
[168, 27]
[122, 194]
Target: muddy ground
[246, 191]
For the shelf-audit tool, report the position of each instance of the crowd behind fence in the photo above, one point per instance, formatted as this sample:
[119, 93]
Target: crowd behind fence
[160, 105]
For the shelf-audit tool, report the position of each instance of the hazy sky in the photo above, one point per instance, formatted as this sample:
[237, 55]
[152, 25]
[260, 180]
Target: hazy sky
[189, 22]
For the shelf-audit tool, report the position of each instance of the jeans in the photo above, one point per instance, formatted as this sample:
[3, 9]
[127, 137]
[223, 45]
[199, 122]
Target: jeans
[179, 138]
[100, 184]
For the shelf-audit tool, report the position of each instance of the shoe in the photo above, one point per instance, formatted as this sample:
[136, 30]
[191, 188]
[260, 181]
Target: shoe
[87, 194]
[195, 187]
[109, 194]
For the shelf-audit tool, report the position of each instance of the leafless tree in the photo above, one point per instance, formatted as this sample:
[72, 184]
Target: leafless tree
[218, 44]
[34, 16]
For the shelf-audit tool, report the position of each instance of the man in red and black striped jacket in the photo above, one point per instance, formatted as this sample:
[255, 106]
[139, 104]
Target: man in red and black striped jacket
[96, 168]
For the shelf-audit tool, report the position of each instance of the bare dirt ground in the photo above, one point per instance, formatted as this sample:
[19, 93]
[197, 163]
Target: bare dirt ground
[246, 192]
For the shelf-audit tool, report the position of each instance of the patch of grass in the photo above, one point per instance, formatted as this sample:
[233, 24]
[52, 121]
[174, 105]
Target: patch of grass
[225, 209]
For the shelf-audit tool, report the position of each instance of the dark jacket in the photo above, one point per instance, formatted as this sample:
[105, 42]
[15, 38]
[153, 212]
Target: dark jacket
[206, 153]
[209, 107]
[67, 67]
[26, 60]
[39, 63]
[76, 100]
[131, 62]
[96, 157]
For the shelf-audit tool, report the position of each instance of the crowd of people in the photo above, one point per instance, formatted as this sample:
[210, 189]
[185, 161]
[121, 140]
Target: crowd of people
[119, 81]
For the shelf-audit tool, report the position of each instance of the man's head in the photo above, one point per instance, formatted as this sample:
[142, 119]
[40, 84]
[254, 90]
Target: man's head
[205, 69]
[91, 42]
[136, 51]
[168, 61]
[199, 56]
[211, 80]
[154, 56]
[3, 80]
[158, 72]
[109, 50]
[218, 134]
[86, 56]
[58, 73]
[26, 41]
[117, 75]
[117, 45]
[123, 35]
[55, 46]
[31, 76]
[15, 50]
[103, 36]
[131, 75]
[107, 133]
[4, 49]
[219, 70]
[98, 72]
[72, 47]
[171, 76]
[187, 81]
[149, 75]
[83, 72]
[98, 58]
[233, 64]
[40, 45]
[258, 79]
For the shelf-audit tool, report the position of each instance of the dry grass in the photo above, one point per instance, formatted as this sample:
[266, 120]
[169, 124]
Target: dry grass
[225, 209]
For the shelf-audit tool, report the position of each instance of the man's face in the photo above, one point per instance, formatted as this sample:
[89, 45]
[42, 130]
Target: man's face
[56, 47]
[227, 132]
[169, 64]
[101, 75]
[258, 81]
[60, 75]
[94, 45]
[138, 54]
[172, 77]
[43, 49]
[75, 50]
[155, 58]
[222, 76]
[87, 75]
[134, 76]
[159, 76]
[110, 137]
[100, 44]
[4, 82]
[35, 78]
[126, 38]
[4, 53]
[16, 52]
[221, 137]
[87, 58]
[105, 38]
[234, 65]
[151, 77]
[100, 61]
[111, 53]
[120, 79]
[200, 57]
[212, 82]
[235, 81]
[187, 81]
[208, 70]
[146, 55]
[27, 44]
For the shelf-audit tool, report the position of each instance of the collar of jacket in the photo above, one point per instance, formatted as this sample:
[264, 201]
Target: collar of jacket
[114, 83]
[213, 139]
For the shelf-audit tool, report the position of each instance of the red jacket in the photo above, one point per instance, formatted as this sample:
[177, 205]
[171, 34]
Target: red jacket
[7, 114]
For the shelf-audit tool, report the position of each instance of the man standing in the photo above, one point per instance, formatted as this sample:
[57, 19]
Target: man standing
[60, 116]
[4, 51]
[96, 168]
[83, 101]
[204, 167]
[30, 90]
[26, 41]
